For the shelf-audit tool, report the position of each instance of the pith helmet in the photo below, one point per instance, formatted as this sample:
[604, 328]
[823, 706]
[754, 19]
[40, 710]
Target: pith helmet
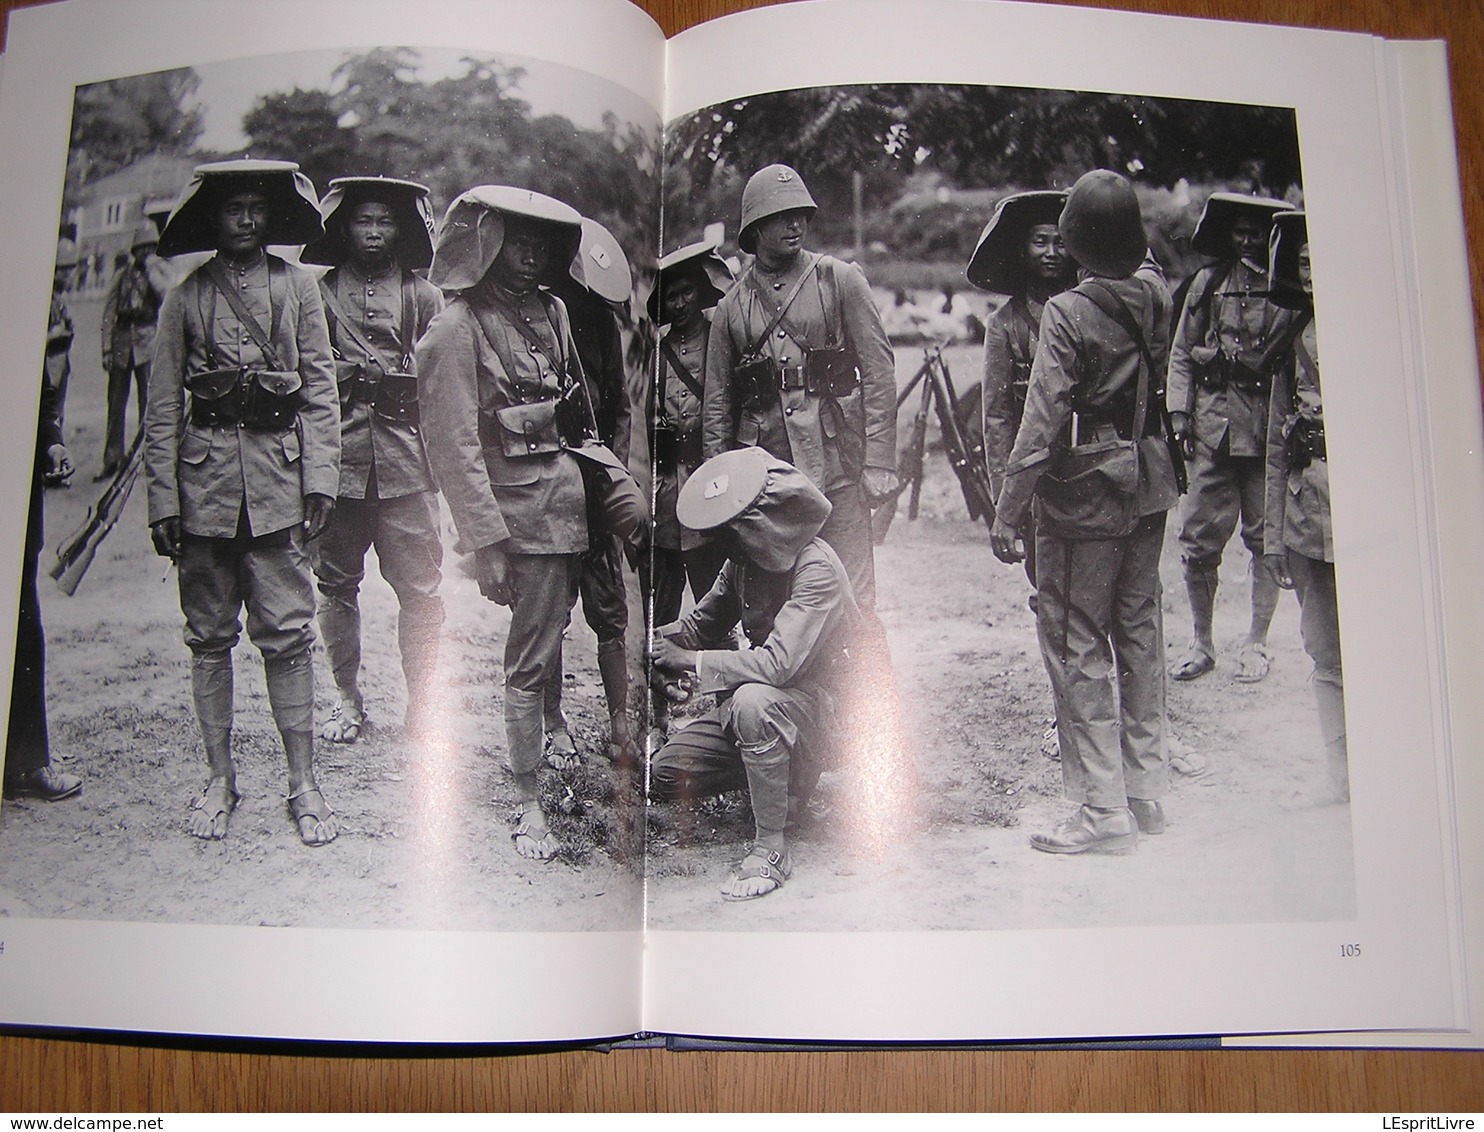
[293, 207]
[146, 235]
[474, 231]
[1102, 226]
[1213, 231]
[410, 206]
[997, 263]
[67, 254]
[700, 262]
[1285, 287]
[600, 264]
[769, 191]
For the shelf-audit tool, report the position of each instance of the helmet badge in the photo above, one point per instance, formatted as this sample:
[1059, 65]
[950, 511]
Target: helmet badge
[716, 487]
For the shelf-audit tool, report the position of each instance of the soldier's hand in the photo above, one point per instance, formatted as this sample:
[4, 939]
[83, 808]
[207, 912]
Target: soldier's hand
[59, 467]
[166, 536]
[317, 511]
[492, 572]
[1180, 426]
[880, 484]
[670, 658]
[1005, 541]
[1277, 567]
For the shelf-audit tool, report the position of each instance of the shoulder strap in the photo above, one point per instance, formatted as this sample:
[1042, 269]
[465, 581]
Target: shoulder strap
[680, 371]
[408, 337]
[492, 335]
[347, 326]
[1301, 352]
[519, 325]
[1020, 326]
[216, 273]
[1106, 300]
[788, 301]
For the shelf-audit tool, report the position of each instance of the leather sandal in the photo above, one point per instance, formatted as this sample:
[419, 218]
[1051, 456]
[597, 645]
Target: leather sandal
[211, 812]
[542, 848]
[766, 865]
[309, 805]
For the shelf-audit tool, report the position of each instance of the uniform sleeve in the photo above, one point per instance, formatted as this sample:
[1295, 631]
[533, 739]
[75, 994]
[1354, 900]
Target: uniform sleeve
[1275, 479]
[110, 318]
[164, 412]
[1189, 352]
[867, 336]
[1048, 405]
[999, 424]
[814, 605]
[718, 432]
[429, 303]
[618, 388]
[448, 393]
[319, 414]
[714, 617]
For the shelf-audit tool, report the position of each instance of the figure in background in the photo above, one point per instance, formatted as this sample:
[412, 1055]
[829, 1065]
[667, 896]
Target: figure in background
[1092, 449]
[59, 330]
[28, 763]
[129, 314]
[1298, 542]
[378, 231]
[691, 281]
[1221, 363]
[242, 459]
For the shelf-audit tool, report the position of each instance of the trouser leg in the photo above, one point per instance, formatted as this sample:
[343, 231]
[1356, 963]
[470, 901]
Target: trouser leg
[1139, 649]
[211, 693]
[209, 573]
[27, 745]
[767, 724]
[120, 381]
[848, 530]
[1319, 623]
[410, 552]
[544, 586]
[1208, 516]
[1200, 588]
[1250, 473]
[339, 558]
[697, 762]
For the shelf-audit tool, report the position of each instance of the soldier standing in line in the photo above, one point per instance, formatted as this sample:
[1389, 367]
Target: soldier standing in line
[129, 315]
[28, 761]
[1298, 543]
[597, 279]
[59, 332]
[691, 281]
[799, 364]
[1220, 377]
[377, 232]
[497, 385]
[1094, 387]
[243, 472]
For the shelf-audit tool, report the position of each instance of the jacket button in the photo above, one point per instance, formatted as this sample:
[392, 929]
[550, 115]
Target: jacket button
[788, 412]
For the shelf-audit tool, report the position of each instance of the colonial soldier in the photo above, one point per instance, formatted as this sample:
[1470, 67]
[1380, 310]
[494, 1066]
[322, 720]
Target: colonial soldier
[799, 364]
[129, 315]
[1091, 449]
[691, 281]
[377, 232]
[59, 330]
[244, 470]
[778, 699]
[1298, 545]
[1220, 374]
[1020, 255]
[505, 418]
[29, 772]
[597, 280]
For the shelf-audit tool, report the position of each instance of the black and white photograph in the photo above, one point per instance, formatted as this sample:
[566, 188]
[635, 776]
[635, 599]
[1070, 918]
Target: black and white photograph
[353, 759]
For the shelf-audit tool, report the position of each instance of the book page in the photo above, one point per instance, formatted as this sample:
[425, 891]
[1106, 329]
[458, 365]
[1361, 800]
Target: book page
[917, 907]
[420, 921]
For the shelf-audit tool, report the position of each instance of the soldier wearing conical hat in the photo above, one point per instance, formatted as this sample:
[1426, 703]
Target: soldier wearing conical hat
[1092, 406]
[378, 230]
[1221, 363]
[242, 462]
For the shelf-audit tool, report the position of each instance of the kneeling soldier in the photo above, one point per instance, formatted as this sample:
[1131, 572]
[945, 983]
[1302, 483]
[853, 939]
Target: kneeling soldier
[377, 231]
[789, 591]
[244, 472]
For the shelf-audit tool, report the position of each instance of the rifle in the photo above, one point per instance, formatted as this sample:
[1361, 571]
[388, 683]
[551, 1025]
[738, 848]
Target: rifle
[75, 553]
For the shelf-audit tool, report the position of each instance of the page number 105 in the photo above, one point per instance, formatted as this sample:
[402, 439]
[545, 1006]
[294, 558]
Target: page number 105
[1349, 951]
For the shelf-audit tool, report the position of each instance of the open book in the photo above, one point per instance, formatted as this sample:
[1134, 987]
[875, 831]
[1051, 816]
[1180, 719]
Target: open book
[914, 913]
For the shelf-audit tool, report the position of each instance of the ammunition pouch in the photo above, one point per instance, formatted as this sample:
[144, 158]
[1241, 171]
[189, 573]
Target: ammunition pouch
[755, 382]
[830, 372]
[260, 399]
[574, 419]
[1224, 372]
[529, 429]
[673, 447]
[394, 398]
[1304, 443]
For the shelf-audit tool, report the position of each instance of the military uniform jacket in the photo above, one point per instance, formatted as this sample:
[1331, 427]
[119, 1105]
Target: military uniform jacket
[682, 408]
[130, 312]
[393, 450]
[1296, 516]
[1219, 317]
[1085, 356]
[829, 439]
[800, 624]
[535, 500]
[209, 476]
[58, 362]
[1009, 348]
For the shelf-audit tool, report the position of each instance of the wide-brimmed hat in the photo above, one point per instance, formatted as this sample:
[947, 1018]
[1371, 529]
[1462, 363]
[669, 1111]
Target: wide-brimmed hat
[1102, 226]
[411, 208]
[600, 264]
[293, 207]
[773, 508]
[1213, 231]
[146, 235]
[474, 231]
[1290, 234]
[769, 191]
[998, 262]
[699, 261]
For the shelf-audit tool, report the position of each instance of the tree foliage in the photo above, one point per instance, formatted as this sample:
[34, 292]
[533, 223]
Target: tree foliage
[117, 122]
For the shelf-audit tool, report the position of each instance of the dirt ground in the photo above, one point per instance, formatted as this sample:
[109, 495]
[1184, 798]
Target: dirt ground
[425, 827]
